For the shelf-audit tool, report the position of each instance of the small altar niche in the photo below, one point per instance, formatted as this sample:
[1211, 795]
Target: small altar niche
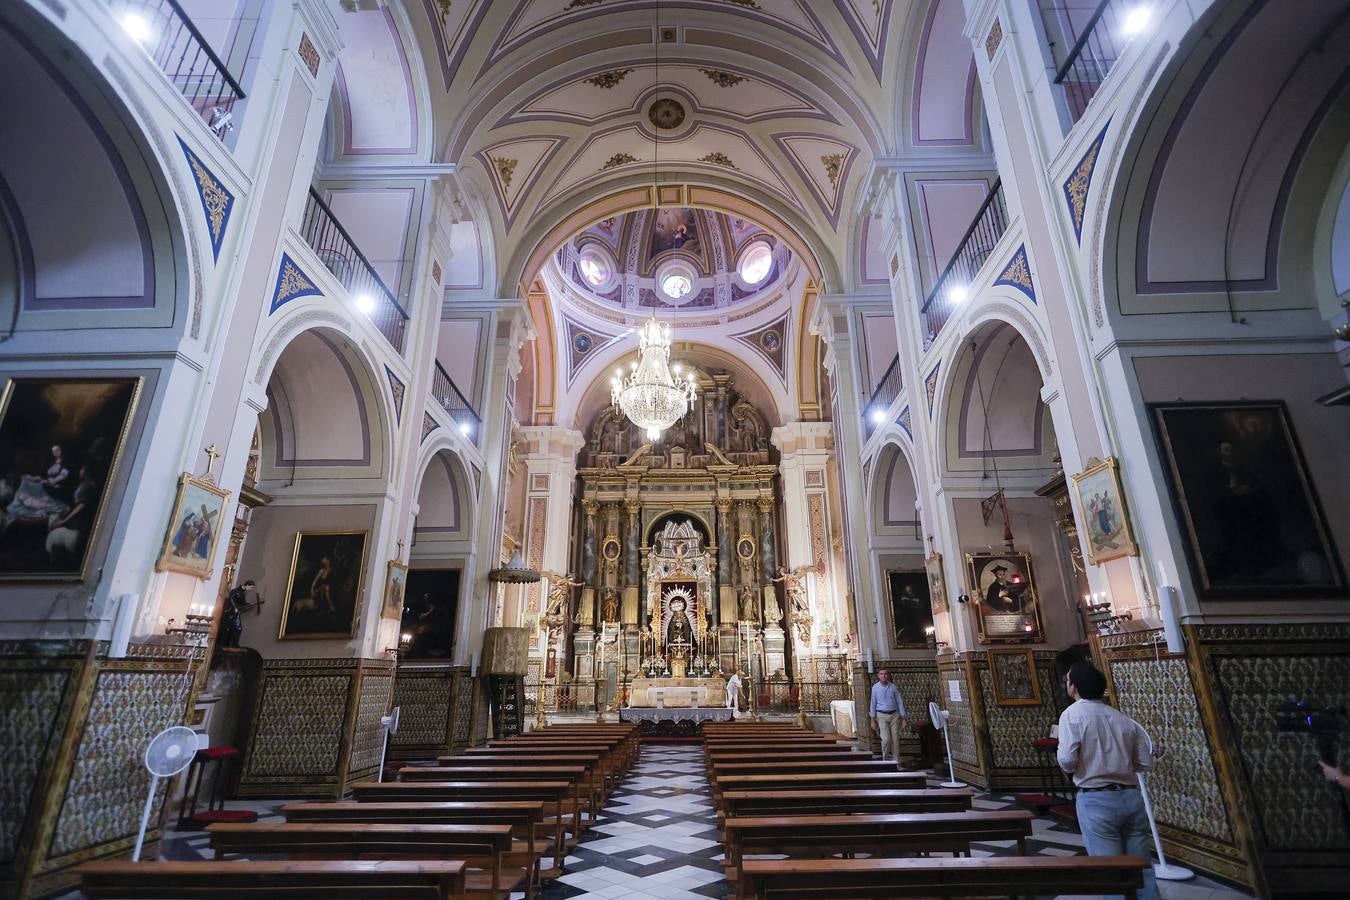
[680, 641]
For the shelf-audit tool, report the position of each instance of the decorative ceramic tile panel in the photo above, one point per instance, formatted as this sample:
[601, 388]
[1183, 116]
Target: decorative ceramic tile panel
[423, 700]
[298, 728]
[28, 720]
[1295, 809]
[1013, 728]
[462, 711]
[1158, 694]
[108, 783]
[368, 738]
[960, 723]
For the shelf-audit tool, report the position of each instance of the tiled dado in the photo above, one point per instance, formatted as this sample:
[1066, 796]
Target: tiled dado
[428, 697]
[73, 730]
[1235, 797]
[992, 742]
[316, 726]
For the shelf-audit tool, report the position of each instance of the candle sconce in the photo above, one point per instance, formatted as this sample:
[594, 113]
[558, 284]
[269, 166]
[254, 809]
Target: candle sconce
[196, 624]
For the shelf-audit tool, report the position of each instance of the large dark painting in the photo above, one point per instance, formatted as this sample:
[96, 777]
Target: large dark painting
[60, 443]
[324, 592]
[431, 601]
[1241, 490]
[911, 611]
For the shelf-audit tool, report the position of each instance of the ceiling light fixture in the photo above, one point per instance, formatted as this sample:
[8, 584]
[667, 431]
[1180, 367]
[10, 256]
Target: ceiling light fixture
[649, 394]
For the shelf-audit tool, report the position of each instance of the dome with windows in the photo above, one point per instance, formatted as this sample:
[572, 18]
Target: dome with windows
[673, 259]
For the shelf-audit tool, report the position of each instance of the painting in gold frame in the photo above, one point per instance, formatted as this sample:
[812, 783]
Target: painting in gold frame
[1106, 522]
[61, 443]
[1013, 675]
[195, 527]
[395, 586]
[1006, 600]
[937, 583]
[323, 591]
[908, 607]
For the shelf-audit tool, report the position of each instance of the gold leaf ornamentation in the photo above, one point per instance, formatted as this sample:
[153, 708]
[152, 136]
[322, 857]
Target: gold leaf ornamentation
[618, 159]
[718, 159]
[506, 169]
[610, 79]
[834, 164]
[723, 79]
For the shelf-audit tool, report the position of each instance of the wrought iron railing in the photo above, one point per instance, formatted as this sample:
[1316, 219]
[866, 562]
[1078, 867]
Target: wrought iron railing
[791, 697]
[178, 48]
[887, 389]
[453, 401]
[950, 289]
[336, 250]
[1100, 41]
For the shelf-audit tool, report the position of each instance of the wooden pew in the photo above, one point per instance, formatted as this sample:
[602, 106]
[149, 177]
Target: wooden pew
[596, 774]
[554, 794]
[847, 802]
[879, 835]
[625, 736]
[479, 846]
[624, 751]
[830, 780]
[585, 795]
[526, 818]
[269, 879]
[982, 877]
[606, 757]
[789, 772]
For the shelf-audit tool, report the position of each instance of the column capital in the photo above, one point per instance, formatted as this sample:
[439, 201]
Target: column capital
[551, 441]
[590, 507]
[795, 437]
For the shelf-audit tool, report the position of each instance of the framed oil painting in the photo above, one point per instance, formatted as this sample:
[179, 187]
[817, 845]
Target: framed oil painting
[937, 584]
[1254, 527]
[910, 611]
[61, 441]
[1106, 532]
[195, 527]
[324, 589]
[429, 613]
[1006, 601]
[1013, 673]
[395, 583]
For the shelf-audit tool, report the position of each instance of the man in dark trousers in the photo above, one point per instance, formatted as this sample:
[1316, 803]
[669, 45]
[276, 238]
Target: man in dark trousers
[1103, 749]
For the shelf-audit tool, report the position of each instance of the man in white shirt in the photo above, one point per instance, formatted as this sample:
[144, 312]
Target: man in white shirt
[1102, 748]
[887, 712]
[733, 692]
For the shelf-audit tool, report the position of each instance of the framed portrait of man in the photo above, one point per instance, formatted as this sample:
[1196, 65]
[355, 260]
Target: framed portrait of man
[1106, 524]
[1014, 678]
[323, 592]
[1242, 492]
[61, 442]
[195, 526]
[1004, 590]
[911, 613]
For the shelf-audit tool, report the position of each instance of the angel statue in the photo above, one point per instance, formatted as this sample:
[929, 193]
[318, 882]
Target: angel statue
[799, 609]
[559, 589]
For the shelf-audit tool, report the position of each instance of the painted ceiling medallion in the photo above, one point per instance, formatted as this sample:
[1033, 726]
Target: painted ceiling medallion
[610, 79]
[722, 79]
[618, 159]
[666, 113]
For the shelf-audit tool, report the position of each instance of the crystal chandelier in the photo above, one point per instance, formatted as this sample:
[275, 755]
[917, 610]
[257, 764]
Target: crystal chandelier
[649, 395]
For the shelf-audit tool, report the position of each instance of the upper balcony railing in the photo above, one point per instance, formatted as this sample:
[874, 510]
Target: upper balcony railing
[453, 401]
[1100, 41]
[336, 249]
[950, 290]
[887, 389]
[178, 48]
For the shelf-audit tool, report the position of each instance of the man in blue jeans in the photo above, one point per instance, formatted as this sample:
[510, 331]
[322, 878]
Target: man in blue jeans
[1102, 748]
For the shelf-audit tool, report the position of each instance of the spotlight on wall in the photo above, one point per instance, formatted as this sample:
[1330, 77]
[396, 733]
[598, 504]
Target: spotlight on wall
[957, 293]
[365, 303]
[138, 27]
[877, 416]
[1135, 21]
[465, 428]
[962, 598]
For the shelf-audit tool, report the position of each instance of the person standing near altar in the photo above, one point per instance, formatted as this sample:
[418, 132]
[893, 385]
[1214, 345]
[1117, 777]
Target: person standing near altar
[733, 692]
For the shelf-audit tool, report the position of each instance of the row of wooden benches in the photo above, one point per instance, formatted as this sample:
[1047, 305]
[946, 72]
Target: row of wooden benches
[479, 825]
[824, 803]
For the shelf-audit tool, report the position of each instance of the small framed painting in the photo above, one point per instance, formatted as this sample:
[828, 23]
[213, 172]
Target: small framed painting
[324, 589]
[911, 614]
[1107, 532]
[1009, 610]
[1013, 673]
[195, 527]
[937, 583]
[61, 442]
[395, 587]
[1241, 489]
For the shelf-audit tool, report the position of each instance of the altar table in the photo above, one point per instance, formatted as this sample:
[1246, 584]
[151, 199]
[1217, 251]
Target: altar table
[678, 692]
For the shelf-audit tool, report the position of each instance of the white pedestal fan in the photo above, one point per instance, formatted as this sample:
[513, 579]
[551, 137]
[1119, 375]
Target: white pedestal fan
[938, 716]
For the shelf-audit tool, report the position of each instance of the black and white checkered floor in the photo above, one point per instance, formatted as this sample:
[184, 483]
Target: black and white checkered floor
[658, 838]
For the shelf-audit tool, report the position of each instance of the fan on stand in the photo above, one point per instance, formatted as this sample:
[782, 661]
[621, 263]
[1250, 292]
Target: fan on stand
[390, 725]
[1163, 869]
[169, 753]
[938, 716]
